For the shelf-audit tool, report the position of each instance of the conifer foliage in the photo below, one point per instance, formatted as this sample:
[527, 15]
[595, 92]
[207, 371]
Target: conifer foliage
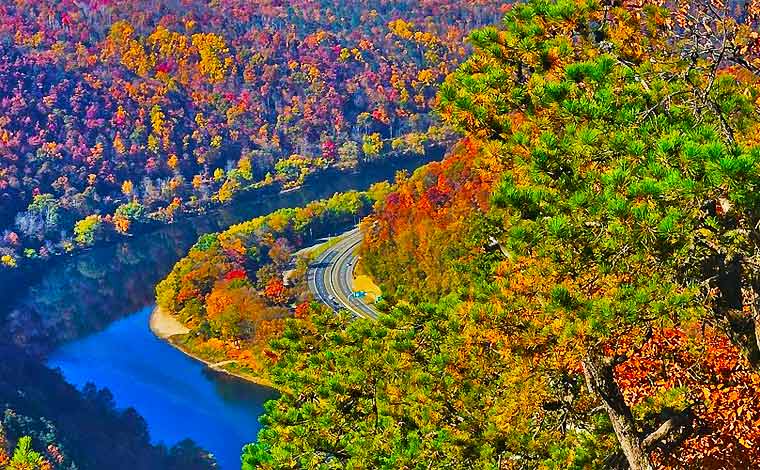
[601, 309]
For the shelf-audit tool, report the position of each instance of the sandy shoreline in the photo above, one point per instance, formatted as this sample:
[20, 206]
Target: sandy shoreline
[165, 326]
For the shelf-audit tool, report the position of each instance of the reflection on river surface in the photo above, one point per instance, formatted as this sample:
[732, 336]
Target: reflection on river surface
[178, 396]
[83, 294]
[88, 314]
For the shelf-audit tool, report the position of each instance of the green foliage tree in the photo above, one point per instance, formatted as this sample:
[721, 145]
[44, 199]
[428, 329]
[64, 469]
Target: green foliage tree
[48, 208]
[133, 211]
[632, 172]
[626, 205]
[42, 217]
[25, 457]
[389, 394]
[87, 229]
[372, 145]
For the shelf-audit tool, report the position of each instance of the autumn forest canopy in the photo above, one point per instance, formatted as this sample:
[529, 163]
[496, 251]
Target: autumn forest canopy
[575, 285]
[116, 114]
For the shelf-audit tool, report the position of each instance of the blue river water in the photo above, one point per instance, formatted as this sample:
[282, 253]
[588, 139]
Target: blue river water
[176, 394]
[88, 315]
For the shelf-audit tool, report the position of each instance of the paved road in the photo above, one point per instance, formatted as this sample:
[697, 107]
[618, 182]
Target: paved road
[330, 276]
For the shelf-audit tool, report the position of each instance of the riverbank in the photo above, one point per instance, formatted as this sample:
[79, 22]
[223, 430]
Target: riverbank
[319, 184]
[169, 329]
[86, 309]
[164, 325]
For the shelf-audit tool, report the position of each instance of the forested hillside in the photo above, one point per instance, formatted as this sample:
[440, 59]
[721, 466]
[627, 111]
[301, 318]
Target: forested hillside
[576, 285]
[47, 424]
[235, 289]
[118, 113]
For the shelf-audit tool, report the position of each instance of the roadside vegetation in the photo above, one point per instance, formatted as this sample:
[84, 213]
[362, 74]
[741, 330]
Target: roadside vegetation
[576, 285]
[235, 289]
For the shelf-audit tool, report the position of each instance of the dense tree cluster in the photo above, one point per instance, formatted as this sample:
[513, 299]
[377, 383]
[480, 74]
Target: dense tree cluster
[577, 285]
[408, 240]
[78, 430]
[235, 288]
[116, 111]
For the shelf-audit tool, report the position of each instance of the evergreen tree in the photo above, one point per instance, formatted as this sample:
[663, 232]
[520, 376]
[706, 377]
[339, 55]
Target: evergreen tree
[26, 458]
[605, 294]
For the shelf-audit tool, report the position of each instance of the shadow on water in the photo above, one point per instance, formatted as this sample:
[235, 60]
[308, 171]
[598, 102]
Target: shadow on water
[178, 396]
[82, 294]
[88, 315]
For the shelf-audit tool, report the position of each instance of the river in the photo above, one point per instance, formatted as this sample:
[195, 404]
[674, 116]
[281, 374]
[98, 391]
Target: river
[88, 316]
[178, 396]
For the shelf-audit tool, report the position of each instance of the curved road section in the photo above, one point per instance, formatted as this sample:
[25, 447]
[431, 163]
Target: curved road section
[330, 277]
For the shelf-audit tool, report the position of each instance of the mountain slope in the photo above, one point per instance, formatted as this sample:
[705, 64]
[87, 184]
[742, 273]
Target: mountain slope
[575, 286]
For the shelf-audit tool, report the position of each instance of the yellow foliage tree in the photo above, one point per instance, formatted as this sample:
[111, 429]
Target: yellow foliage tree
[127, 187]
[215, 61]
[172, 161]
[218, 174]
[228, 190]
[372, 145]
[8, 260]
[245, 168]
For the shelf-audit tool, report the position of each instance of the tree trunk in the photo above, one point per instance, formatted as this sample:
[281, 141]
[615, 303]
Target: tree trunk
[738, 307]
[756, 320]
[737, 284]
[600, 380]
[742, 332]
[751, 298]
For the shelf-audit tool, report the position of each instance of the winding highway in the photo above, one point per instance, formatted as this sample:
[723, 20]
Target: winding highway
[330, 277]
